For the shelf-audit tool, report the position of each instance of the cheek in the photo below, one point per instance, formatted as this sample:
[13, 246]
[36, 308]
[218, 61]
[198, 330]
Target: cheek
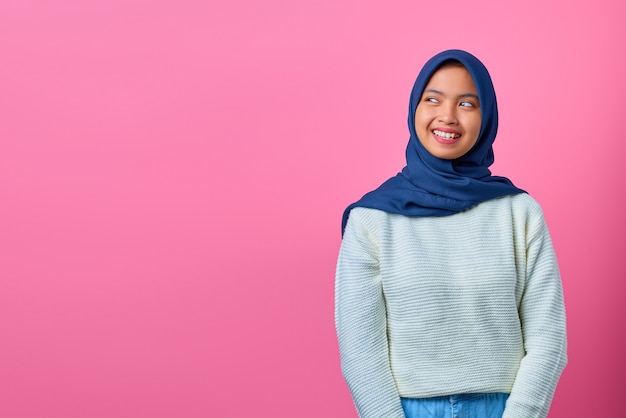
[474, 125]
[421, 121]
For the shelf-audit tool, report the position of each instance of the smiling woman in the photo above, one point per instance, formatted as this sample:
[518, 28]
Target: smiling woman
[448, 293]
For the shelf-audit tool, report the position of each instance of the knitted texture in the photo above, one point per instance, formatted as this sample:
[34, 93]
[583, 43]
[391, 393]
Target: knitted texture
[434, 306]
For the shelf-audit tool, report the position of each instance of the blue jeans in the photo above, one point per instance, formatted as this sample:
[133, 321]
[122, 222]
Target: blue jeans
[472, 405]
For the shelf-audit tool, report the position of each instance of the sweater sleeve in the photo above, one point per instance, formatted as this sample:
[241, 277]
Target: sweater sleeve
[360, 319]
[542, 317]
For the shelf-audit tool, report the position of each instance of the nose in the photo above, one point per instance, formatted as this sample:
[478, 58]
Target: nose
[448, 114]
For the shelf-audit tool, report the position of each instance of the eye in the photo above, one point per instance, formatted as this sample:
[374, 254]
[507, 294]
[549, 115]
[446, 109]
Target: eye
[467, 104]
[431, 100]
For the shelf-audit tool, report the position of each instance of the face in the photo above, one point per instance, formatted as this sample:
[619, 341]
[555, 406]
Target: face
[448, 118]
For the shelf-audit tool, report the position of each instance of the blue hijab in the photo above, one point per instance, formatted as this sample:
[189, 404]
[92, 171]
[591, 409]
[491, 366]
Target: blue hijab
[431, 186]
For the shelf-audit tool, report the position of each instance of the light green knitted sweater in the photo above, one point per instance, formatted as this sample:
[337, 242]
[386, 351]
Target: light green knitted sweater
[466, 303]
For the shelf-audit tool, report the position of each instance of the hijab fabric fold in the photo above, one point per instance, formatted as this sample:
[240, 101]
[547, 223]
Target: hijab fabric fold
[431, 186]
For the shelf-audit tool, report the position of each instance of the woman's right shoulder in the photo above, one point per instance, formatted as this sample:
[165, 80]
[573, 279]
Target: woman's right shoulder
[369, 217]
[368, 221]
[367, 213]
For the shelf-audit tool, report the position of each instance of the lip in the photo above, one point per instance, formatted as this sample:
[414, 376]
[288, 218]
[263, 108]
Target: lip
[444, 140]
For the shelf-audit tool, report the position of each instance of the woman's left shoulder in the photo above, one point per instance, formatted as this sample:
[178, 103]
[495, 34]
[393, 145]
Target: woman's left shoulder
[527, 213]
[521, 208]
[523, 203]
[525, 200]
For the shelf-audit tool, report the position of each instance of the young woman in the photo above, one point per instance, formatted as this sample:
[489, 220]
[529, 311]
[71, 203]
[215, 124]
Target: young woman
[448, 294]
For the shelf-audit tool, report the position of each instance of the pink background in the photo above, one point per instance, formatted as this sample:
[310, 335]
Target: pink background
[173, 173]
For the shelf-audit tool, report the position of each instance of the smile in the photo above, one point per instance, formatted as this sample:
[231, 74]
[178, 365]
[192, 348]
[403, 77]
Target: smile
[446, 135]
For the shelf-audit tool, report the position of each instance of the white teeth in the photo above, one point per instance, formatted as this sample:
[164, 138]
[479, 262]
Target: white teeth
[446, 135]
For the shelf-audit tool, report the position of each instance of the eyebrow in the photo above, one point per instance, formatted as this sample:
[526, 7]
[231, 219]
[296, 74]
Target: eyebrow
[459, 96]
